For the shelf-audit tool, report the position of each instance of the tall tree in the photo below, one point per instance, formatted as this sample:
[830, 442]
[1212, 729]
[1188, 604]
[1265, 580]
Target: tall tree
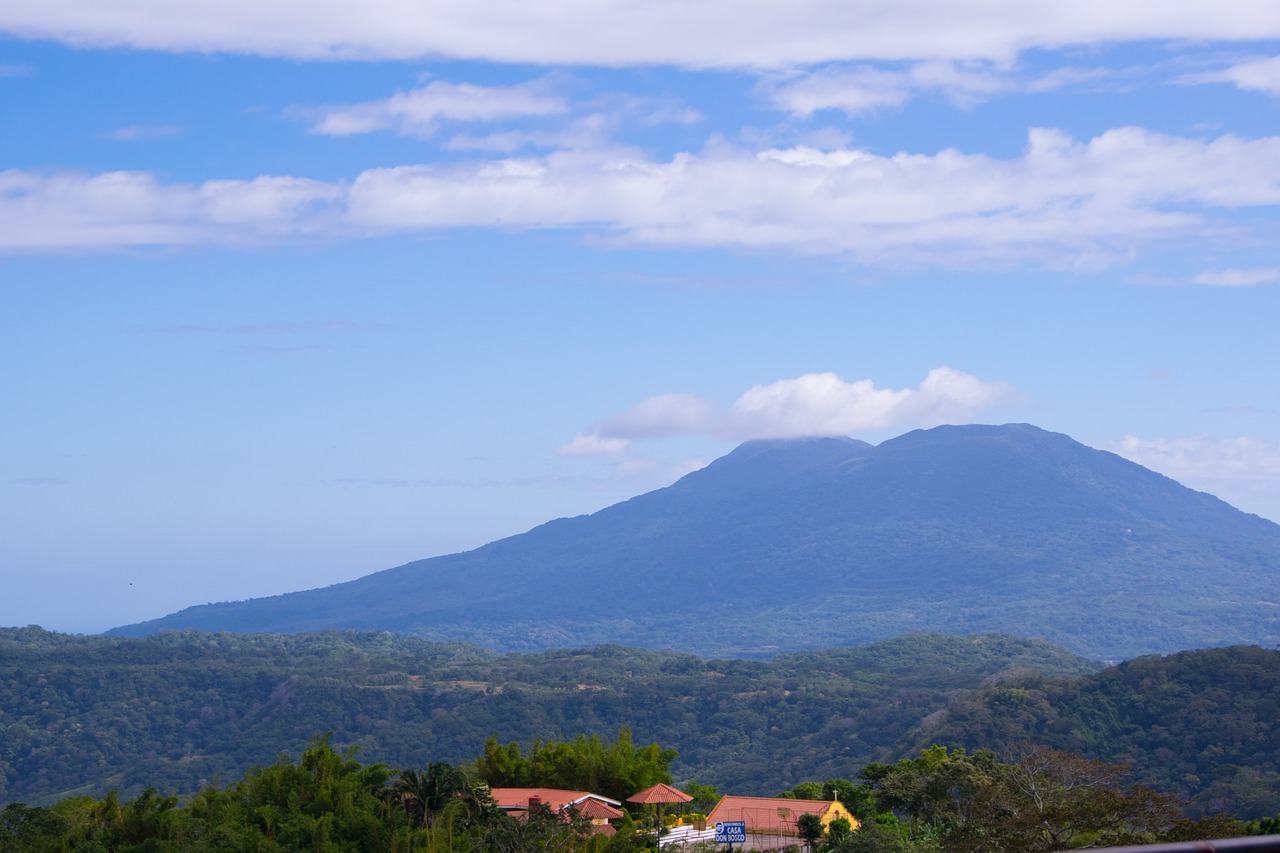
[810, 828]
[1041, 800]
[618, 769]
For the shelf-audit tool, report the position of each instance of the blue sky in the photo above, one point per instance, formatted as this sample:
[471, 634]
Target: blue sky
[293, 292]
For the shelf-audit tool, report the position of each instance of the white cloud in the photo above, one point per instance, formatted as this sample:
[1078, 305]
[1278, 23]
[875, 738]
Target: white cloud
[813, 404]
[824, 404]
[1238, 277]
[420, 111]
[1256, 75]
[697, 33]
[1063, 203]
[124, 209]
[1243, 471]
[662, 416]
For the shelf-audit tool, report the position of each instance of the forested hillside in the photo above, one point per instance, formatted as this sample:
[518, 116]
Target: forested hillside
[1204, 724]
[180, 710]
[174, 711]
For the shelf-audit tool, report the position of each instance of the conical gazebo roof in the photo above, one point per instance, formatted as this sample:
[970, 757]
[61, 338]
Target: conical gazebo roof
[659, 793]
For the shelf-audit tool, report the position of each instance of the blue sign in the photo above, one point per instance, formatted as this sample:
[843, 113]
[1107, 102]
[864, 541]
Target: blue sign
[731, 832]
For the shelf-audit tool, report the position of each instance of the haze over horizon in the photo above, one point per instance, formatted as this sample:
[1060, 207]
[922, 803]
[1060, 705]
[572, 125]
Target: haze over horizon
[295, 294]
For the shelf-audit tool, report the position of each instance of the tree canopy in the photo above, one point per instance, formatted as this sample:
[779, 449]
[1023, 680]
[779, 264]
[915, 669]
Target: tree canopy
[616, 770]
[324, 802]
[1036, 801]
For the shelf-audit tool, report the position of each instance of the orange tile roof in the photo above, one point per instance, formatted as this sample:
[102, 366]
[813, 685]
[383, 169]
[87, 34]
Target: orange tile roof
[514, 799]
[767, 814]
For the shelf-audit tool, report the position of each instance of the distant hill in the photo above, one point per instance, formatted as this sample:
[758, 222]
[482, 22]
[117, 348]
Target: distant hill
[83, 715]
[792, 544]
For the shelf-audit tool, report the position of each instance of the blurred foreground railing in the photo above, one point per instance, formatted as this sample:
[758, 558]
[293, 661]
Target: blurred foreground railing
[1254, 844]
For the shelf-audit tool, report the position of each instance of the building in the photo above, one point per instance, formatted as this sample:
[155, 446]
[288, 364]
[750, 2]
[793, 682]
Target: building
[775, 817]
[596, 808]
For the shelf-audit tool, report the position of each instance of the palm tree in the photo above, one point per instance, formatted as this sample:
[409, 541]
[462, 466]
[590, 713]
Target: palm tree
[425, 794]
[409, 791]
[445, 784]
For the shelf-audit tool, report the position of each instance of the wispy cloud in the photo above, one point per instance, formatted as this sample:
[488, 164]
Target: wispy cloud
[1241, 410]
[867, 88]
[636, 473]
[746, 33]
[592, 444]
[420, 112]
[590, 131]
[1080, 78]
[863, 88]
[531, 114]
[40, 481]
[813, 404]
[1204, 455]
[298, 348]
[307, 326]
[1244, 471]
[11, 70]
[271, 330]
[143, 132]
[1238, 277]
[264, 328]
[1255, 75]
[311, 328]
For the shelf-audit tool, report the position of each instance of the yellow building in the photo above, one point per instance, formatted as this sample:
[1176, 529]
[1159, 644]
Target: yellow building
[776, 816]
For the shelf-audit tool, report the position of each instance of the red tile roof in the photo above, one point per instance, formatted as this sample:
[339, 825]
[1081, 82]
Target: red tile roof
[517, 799]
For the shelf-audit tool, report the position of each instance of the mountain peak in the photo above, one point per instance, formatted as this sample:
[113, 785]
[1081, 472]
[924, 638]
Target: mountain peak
[1015, 432]
[801, 451]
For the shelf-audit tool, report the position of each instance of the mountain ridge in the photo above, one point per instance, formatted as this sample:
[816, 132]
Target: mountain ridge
[790, 544]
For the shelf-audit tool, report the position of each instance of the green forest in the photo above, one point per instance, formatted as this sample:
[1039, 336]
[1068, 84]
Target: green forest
[328, 802]
[184, 713]
[1199, 724]
[178, 711]
[942, 801]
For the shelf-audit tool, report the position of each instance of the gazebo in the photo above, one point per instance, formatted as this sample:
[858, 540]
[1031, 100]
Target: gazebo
[659, 795]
